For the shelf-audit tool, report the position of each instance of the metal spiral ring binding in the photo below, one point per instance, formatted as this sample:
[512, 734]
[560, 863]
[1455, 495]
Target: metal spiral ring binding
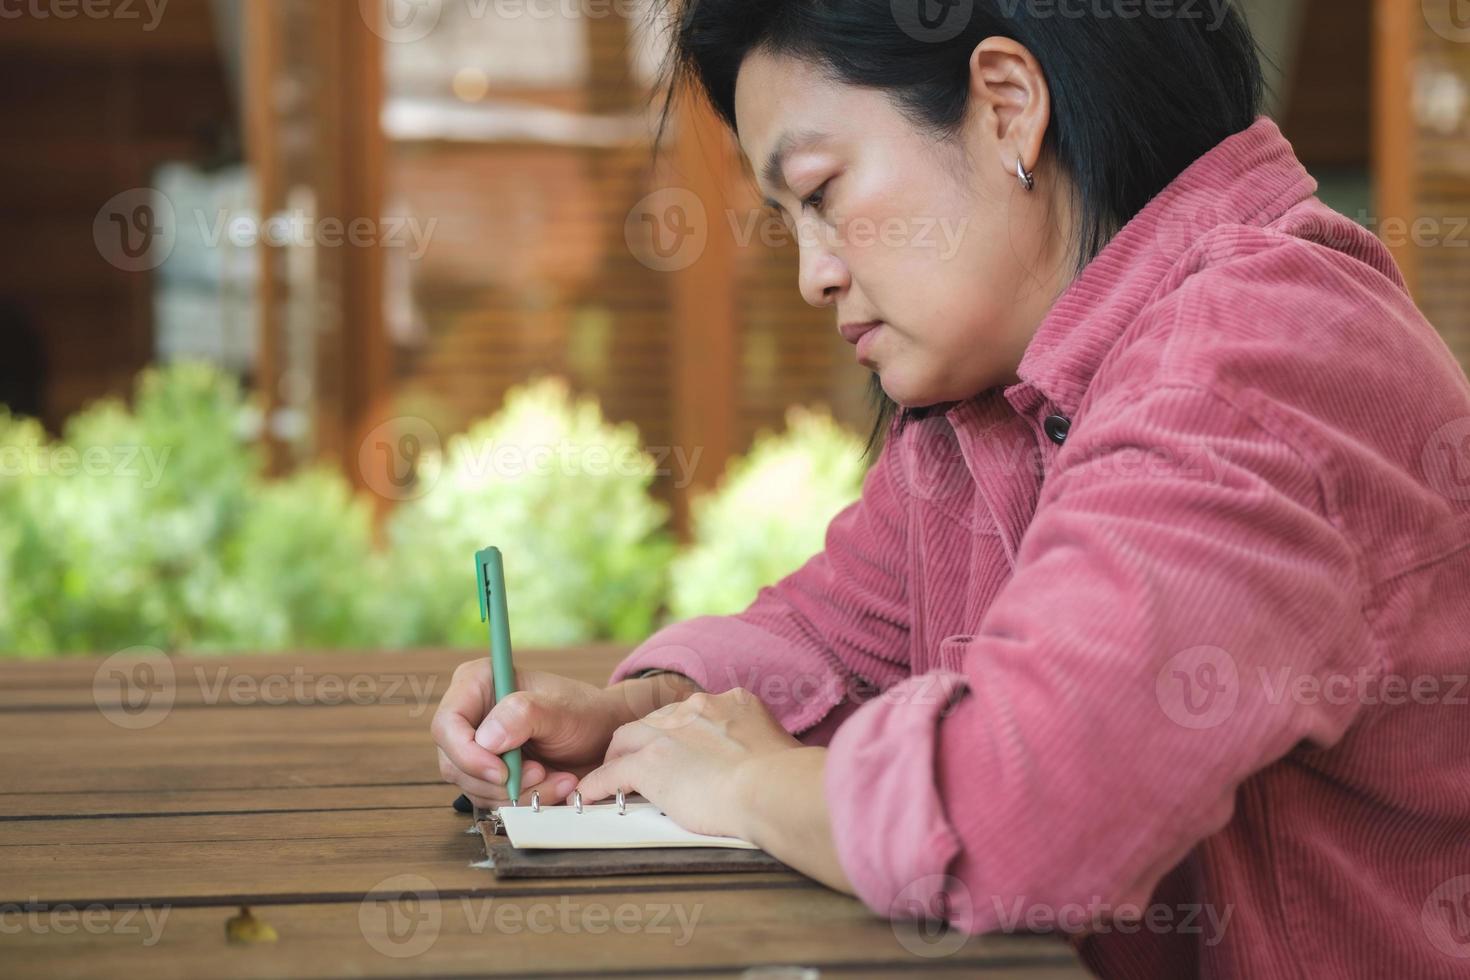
[622, 804]
[577, 799]
[536, 801]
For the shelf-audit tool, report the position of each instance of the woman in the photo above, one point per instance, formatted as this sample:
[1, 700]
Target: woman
[1171, 521]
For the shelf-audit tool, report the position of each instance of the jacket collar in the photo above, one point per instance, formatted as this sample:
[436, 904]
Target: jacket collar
[1250, 178]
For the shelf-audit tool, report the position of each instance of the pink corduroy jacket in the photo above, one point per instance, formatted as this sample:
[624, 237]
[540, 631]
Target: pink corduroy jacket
[1165, 646]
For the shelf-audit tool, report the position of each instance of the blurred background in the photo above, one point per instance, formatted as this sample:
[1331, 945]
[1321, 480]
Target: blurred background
[303, 301]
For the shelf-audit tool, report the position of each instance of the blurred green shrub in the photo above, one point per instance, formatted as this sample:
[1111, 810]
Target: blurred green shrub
[768, 515]
[565, 495]
[155, 525]
[303, 571]
[20, 442]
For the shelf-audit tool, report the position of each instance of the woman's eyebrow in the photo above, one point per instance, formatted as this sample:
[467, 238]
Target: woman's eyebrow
[773, 170]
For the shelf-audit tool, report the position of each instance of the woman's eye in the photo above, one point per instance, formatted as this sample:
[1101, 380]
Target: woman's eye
[815, 199]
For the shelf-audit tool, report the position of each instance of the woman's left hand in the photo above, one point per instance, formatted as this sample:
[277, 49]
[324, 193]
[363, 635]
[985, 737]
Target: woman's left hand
[690, 759]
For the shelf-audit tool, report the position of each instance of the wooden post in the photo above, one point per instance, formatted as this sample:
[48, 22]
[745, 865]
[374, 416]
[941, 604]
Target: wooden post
[1395, 133]
[705, 351]
[365, 353]
[262, 65]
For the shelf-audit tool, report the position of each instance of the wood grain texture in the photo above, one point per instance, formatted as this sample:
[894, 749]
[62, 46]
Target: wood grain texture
[126, 850]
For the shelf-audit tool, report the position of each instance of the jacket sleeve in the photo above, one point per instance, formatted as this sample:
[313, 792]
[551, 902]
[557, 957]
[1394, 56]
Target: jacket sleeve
[1182, 569]
[822, 638]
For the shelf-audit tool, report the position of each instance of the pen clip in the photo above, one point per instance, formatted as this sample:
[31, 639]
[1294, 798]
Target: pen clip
[482, 562]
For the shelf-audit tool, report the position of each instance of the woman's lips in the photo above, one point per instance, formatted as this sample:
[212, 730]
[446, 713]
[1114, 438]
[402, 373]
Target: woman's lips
[861, 335]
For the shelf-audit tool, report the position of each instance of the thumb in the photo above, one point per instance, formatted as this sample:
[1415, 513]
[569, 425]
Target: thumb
[515, 720]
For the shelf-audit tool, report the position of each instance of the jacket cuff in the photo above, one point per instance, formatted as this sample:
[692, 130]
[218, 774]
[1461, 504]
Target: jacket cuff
[888, 821]
[800, 687]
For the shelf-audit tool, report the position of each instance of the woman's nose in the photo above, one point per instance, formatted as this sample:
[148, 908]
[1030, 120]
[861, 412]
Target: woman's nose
[823, 276]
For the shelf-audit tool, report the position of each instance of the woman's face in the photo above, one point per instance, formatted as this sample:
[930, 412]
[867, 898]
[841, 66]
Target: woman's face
[939, 243]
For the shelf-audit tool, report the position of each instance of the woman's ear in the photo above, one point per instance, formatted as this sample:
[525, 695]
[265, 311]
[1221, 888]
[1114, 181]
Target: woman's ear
[1009, 101]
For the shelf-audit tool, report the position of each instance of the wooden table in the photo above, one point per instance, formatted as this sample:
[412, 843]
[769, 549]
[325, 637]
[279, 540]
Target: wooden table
[141, 807]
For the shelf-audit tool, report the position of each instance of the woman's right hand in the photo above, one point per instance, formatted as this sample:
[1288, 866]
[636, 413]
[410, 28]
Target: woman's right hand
[562, 725]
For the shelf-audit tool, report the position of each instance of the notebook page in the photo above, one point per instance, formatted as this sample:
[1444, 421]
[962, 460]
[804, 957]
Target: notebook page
[600, 825]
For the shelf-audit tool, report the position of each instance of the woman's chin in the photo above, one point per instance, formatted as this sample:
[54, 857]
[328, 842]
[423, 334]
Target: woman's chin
[902, 390]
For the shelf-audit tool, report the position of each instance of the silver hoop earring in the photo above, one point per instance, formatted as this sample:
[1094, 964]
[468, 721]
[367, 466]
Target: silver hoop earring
[1027, 177]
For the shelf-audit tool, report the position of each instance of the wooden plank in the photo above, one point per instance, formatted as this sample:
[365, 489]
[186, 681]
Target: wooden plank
[216, 748]
[274, 857]
[71, 681]
[696, 933]
[94, 803]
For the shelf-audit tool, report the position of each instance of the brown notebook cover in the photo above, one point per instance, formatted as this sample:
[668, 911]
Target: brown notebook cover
[513, 862]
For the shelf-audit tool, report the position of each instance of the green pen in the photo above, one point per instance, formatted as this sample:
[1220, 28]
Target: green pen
[490, 576]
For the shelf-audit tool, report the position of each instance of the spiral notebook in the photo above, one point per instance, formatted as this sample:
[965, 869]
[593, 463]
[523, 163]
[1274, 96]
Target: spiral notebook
[608, 839]
[603, 825]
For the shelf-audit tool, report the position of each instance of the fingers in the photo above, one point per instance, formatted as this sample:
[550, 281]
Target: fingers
[633, 736]
[555, 788]
[460, 710]
[518, 718]
[607, 779]
[488, 793]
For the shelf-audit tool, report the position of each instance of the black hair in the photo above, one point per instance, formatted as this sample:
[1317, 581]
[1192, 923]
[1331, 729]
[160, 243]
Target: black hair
[1139, 90]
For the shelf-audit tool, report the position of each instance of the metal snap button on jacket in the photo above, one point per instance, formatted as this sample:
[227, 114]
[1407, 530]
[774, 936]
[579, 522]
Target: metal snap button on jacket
[1056, 427]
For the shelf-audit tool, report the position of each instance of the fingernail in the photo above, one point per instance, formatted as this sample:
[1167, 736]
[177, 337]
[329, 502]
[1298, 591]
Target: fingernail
[565, 787]
[491, 735]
